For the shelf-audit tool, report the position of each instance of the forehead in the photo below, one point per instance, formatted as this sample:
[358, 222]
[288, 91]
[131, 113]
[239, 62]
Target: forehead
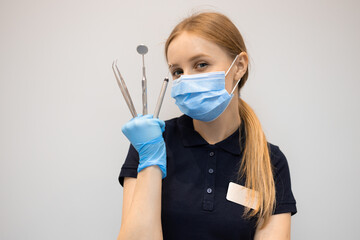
[186, 45]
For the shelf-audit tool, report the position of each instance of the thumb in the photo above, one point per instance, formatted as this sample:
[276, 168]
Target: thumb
[161, 124]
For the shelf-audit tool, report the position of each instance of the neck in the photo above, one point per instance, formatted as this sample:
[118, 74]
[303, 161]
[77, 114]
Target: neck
[222, 127]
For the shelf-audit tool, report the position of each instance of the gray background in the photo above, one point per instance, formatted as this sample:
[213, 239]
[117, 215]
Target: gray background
[61, 146]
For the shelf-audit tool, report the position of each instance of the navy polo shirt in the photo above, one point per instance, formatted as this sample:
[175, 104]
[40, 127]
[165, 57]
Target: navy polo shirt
[194, 204]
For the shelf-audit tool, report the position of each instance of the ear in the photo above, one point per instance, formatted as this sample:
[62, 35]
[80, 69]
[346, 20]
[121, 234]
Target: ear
[241, 65]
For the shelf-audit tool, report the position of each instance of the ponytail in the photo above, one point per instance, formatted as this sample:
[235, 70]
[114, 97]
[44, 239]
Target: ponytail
[256, 166]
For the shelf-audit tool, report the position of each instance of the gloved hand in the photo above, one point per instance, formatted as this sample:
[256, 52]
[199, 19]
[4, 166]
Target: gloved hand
[145, 134]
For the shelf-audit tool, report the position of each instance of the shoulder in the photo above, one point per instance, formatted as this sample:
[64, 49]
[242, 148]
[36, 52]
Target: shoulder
[281, 170]
[285, 200]
[278, 158]
[182, 120]
[172, 122]
[174, 125]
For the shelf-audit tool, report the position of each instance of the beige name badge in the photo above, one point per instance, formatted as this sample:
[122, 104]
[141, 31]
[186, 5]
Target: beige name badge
[241, 195]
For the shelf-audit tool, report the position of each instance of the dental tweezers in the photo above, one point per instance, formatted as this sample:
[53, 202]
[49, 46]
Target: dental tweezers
[123, 88]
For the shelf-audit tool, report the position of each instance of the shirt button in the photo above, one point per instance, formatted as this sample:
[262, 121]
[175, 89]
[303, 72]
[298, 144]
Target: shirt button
[212, 154]
[209, 190]
[211, 170]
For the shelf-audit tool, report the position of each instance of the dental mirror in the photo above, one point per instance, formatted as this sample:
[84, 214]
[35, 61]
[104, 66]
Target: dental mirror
[142, 49]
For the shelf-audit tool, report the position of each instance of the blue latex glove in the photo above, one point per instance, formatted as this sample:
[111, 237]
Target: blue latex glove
[145, 134]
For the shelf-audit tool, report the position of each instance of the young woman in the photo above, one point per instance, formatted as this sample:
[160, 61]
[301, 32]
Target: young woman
[210, 173]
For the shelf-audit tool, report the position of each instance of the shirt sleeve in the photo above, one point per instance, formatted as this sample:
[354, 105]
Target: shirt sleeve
[129, 168]
[285, 201]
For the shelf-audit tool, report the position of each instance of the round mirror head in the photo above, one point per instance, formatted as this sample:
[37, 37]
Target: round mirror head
[142, 49]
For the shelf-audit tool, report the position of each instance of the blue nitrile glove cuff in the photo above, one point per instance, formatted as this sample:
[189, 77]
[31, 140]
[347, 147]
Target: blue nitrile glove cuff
[153, 153]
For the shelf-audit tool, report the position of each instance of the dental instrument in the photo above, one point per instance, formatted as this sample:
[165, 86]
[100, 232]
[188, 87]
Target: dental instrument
[142, 49]
[123, 88]
[161, 97]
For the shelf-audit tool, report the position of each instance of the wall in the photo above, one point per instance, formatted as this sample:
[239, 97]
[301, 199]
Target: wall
[61, 146]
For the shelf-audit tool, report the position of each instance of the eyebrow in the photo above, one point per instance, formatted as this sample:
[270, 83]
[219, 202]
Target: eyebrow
[193, 58]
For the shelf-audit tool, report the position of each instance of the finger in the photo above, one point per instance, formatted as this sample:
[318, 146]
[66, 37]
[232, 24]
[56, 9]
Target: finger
[148, 116]
[161, 124]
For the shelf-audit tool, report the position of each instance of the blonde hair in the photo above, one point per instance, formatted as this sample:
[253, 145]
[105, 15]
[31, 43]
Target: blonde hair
[255, 164]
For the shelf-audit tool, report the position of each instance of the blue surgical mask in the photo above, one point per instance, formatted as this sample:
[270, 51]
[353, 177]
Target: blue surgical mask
[202, 96]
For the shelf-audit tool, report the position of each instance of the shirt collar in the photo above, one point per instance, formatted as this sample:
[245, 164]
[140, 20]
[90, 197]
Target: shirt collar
[191, 138]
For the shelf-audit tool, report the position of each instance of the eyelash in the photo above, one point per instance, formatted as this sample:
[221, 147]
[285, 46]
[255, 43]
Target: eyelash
[175, 74]
[202, 63]
[175, 71]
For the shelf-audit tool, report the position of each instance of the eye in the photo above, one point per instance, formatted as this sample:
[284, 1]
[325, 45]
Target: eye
[201, 65]
[176, 73]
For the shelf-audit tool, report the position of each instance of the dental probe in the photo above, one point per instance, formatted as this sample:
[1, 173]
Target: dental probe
[161, 97]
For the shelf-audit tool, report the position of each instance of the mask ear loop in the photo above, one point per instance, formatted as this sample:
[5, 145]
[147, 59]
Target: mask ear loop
[235, 87]
[228, 72]
[231, 65]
